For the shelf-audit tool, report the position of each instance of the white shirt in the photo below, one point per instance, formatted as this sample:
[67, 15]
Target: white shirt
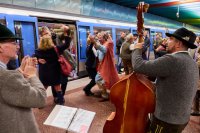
[2, 65]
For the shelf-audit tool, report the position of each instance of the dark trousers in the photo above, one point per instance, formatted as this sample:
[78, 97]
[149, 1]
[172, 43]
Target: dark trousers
[156, 54]
[196, 101]
[128, 68]
[64, 81]
[158, 126]
[92, 73]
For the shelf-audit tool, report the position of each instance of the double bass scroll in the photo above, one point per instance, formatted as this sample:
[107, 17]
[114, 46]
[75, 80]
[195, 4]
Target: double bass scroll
[142, 7]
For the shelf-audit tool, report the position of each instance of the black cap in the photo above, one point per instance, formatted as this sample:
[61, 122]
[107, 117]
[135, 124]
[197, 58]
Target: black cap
[6, 34]
[184, 35]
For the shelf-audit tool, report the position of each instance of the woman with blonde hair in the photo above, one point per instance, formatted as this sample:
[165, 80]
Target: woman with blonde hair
[49, 67]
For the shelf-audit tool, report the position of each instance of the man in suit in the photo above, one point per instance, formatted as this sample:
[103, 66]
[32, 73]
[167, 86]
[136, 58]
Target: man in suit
[176, 85]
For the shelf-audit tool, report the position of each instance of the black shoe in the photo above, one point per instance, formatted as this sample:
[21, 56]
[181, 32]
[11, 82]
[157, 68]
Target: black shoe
[103, 100]
[55, 100]
[88, 93]
[195, 114]
[60, 98]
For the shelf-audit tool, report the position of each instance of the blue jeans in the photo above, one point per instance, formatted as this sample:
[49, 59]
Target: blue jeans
[119, 62]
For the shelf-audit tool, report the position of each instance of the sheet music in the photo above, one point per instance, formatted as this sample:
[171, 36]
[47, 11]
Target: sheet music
[81, 121]
[61, 116]
[71, 119]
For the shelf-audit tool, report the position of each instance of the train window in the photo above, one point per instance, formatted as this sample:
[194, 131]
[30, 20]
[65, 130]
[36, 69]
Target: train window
[83, 32]
[120, 31]
[18, 33]
[29, 42]
[155, 34]
[99, 29]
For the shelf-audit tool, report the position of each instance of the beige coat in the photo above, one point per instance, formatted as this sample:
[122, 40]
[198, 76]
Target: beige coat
[17, 98]
[198, 63]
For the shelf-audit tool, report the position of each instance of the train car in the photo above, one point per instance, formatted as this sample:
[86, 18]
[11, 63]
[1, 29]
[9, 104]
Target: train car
[28, 27]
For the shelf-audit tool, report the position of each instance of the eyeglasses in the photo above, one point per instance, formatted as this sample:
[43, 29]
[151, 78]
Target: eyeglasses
[13, 43]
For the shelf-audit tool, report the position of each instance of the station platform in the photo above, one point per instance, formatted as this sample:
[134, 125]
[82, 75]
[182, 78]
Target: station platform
[75, 97]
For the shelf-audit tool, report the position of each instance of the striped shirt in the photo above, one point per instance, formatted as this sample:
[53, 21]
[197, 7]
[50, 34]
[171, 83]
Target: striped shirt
[2, 65]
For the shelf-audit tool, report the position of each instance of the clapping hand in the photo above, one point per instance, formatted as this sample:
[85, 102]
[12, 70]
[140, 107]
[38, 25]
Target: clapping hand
[28, 67]
[23, 64]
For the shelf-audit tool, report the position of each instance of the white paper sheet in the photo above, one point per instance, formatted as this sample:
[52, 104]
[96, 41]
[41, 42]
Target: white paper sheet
[61, 116]
[81, 122]
[71, 119]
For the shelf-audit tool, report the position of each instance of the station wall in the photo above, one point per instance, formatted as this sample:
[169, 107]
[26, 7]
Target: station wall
[98, 9]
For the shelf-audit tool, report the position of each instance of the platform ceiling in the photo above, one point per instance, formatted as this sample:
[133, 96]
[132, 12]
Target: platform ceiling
[189, 10]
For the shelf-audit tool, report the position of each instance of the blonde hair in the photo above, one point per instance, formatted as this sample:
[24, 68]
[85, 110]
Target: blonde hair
[88, 41]
[45, 43]
[44, 31]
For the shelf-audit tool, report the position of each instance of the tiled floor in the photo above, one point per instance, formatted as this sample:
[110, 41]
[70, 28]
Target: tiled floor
[76, 98]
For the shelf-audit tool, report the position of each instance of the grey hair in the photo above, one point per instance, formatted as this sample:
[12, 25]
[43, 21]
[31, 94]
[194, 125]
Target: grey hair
[128, 37]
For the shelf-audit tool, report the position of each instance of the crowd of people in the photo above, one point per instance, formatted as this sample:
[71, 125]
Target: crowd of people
[175, 68]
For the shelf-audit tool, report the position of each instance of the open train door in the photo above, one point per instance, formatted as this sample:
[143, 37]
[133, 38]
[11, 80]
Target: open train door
[83, 30]
[25, 27]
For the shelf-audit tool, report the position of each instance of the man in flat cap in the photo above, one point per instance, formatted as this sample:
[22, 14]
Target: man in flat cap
[176, 84]
[20, 90]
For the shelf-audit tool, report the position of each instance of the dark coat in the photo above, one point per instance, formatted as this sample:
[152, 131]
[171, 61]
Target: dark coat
[49, 73]
[90, 57]
[145, 47]
[119, 44]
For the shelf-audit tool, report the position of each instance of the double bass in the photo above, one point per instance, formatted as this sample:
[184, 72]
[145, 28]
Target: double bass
[132, 96]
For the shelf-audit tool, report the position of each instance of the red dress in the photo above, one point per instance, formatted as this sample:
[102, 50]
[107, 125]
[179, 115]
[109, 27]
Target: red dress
[107, 68]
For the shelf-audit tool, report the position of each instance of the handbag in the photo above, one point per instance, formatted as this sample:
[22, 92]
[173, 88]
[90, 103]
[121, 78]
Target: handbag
[65, 66]
[69, 57]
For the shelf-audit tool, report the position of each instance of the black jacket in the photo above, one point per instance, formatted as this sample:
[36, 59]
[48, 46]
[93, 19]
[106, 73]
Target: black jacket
[90, 57]
[49, 73]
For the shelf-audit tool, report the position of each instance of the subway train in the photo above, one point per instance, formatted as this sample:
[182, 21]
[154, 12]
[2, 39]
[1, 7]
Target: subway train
[27, 24]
